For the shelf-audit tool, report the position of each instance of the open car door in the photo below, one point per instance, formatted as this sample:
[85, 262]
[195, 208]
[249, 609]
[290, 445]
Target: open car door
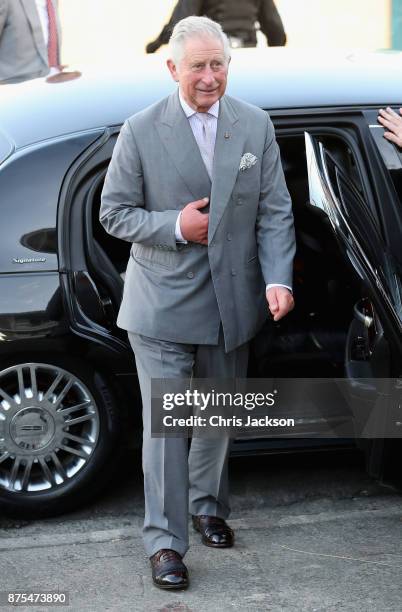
[373, 348]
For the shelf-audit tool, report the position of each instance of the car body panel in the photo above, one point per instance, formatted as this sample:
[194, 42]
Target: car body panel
[30, 206]
[6, 147]
[292, 78]
[30, 305]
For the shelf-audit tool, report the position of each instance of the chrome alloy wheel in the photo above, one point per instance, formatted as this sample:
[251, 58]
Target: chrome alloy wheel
[49, 427]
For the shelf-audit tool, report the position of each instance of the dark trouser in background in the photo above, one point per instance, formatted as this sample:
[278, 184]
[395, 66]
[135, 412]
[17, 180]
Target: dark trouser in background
[175, 481]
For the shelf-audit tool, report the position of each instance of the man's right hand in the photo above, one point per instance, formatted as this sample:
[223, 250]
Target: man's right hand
[193, 223]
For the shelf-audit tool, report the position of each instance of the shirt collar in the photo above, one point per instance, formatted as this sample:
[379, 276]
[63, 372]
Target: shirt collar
[189, 112]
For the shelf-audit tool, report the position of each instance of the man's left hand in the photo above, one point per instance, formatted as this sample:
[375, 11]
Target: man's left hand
[280, 301]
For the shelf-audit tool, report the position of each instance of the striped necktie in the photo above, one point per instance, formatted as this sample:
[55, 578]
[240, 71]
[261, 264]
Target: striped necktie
[53, 42]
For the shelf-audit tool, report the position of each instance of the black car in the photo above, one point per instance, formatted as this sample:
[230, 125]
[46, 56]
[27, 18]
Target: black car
[69, 398]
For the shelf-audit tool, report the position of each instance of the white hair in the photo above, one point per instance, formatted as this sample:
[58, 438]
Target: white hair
[195, 26]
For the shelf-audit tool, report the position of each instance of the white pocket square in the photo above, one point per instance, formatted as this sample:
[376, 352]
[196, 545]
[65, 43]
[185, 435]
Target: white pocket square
[247, 160]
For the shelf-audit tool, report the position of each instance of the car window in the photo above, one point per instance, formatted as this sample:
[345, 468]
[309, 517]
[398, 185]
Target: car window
[343, 157]
[390, 153]
[392, 158]
[338, 150]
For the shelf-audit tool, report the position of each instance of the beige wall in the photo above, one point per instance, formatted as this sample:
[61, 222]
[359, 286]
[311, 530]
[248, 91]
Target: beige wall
[103, 31]
[337, 23]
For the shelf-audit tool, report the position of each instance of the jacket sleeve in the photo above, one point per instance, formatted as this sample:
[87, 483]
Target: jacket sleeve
[275, 227]
[183, 8]
[271, 23]
[3, 14]
[122, 212]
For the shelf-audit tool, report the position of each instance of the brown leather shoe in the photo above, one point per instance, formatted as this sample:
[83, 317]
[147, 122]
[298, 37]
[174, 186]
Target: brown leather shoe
[168, 570]
[215, 531]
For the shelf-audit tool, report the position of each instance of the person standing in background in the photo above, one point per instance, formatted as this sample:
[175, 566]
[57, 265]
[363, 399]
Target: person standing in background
[30, 37]
[237, 17]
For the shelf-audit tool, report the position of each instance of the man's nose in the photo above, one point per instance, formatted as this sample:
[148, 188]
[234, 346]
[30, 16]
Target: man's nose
[208, 76]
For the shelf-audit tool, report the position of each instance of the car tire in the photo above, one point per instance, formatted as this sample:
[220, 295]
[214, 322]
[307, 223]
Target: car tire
[58, 446]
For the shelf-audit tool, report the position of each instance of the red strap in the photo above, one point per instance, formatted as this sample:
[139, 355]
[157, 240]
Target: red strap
[53, 42]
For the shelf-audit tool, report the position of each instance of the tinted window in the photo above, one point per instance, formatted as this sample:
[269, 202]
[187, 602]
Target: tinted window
[390, 153]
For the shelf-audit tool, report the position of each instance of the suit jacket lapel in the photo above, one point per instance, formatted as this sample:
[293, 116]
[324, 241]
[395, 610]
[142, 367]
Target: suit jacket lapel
[228, 151]
[177, 136]
[31, 13]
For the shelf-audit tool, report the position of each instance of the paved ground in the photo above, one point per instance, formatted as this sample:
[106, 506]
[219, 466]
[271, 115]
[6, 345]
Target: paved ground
[313, 533]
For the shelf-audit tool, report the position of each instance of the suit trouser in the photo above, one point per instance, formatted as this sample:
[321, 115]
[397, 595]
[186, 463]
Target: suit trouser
[175, 480]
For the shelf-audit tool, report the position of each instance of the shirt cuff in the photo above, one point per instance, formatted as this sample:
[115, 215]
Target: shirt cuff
[270, 285]
[177, 232]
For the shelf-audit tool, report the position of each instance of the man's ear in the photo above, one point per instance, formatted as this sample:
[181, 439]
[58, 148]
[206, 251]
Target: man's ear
[172, 69]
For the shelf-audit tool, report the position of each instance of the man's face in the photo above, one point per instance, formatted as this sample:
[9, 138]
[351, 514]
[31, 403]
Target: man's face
[202, 72]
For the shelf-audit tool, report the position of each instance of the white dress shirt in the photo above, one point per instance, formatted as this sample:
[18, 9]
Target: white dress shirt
[197, 127]
[197, 122]
[43, 17]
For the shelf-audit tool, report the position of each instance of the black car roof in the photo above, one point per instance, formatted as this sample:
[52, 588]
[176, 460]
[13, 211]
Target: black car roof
[276, 78]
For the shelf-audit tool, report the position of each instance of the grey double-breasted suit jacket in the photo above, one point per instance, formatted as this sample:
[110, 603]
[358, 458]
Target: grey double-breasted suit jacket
[181, 293]
[23, 53]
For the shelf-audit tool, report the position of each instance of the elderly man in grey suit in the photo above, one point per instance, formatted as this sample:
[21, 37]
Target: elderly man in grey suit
[29, 39]
[196, 185]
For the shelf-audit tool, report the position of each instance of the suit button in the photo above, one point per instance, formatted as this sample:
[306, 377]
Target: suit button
[233, 272]
[229, 237]
[239, 202]
[190, 274]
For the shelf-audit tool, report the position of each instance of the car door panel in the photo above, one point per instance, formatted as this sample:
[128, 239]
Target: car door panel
[368, 364]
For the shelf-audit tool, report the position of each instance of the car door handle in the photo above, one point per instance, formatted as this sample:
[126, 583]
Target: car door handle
[361, 316]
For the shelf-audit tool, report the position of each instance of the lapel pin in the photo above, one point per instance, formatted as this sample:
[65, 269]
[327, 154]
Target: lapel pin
[227, 135]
